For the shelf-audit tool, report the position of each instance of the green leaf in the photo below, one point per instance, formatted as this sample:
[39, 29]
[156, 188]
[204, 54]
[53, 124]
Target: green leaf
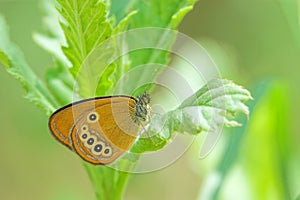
[84, 35]
[217, 103]
[177, 17]
[220, 94]
[157, 13]
[51, 41]
[13, 60]
[238, 134]
[59, 77]
[120, 8]
[268, 94]
[4, 59]
[161, 14]
[85, 26]
[123, 24]
[51, 45]
[152, 143]
[209, 109]
[118, 67]
[53, 36]
[86, 29]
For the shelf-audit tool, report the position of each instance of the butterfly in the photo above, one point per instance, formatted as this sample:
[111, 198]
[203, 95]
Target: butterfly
[101, 129]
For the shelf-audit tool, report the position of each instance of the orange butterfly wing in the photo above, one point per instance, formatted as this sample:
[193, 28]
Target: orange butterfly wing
[99, 130]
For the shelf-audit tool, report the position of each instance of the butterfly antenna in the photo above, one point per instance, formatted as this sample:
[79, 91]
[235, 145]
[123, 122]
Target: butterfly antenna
[153, 112]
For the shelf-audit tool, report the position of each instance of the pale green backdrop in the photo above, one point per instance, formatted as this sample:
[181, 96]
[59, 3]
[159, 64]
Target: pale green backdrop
[249, 40]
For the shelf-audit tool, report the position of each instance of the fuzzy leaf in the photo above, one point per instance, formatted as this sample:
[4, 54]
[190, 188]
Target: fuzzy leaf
[220, 94]
[85, 26]
[208, 110]
[13, 60]
[215, 105]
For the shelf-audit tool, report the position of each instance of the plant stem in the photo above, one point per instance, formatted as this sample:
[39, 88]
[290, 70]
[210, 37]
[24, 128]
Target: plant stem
[108, 183]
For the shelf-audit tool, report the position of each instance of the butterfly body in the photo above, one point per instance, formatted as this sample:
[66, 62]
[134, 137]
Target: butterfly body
[101, 129]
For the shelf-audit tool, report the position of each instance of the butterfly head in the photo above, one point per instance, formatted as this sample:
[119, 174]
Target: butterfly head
[144, 99]
[142, 108]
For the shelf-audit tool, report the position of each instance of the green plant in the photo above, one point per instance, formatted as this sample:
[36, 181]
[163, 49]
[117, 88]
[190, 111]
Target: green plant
[86, 25]
[264, 142]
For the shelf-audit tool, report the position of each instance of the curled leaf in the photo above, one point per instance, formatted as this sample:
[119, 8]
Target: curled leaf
[210, 109]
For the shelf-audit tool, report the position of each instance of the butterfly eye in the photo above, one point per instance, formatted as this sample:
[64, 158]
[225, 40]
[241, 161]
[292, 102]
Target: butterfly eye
[107, 151]
[84, 136]
[84, 128]
[90, 141]
[92, 117]
[97, 148]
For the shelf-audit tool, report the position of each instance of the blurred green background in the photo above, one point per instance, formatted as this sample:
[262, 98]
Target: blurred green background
[255, 43]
